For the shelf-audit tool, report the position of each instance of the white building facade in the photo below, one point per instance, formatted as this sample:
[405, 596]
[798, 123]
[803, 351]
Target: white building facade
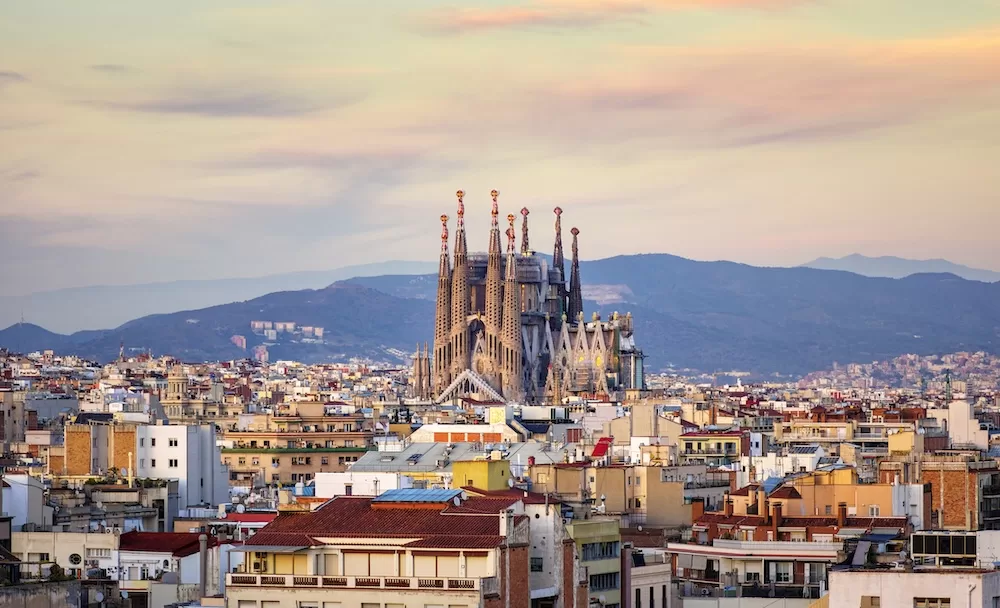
[349, 483]
[187, 453]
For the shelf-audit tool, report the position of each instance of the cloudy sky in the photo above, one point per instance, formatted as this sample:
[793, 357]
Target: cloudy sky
[145, 141]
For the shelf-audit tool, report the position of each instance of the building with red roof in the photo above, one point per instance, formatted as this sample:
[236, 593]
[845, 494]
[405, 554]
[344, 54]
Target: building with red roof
[408, 547]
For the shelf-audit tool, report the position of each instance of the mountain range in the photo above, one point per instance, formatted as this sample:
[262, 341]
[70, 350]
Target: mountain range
[102, 306]
[897, 268]
[709, 316]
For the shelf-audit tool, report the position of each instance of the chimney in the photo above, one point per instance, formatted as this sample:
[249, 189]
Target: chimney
[203, 555]
[776, 520]
[760, 497]
[841, 515]
[697, 508]
[766, 513]
[728, 507]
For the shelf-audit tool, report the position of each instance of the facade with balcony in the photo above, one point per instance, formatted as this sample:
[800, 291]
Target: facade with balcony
[714, 448]
[406, 547]
[287, 449]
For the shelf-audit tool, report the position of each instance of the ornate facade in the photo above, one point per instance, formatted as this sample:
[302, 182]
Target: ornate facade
[509, 328]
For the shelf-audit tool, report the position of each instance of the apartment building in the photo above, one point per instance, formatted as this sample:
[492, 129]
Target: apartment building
[181, 406]
[598, 543]
[769, 554]
[187, 453]
[713, 447]
[74, 552]
[403, 548]
[964, 487]
[293, 446]
[933, 588]
[13, 417]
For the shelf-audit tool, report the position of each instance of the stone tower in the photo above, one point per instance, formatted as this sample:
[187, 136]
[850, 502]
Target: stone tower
[512, 380]
[494, 301]
[575, 291]
[460, 349]
[441, 376]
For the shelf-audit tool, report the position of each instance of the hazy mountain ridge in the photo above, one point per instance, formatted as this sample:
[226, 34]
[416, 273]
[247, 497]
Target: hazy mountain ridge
[898, 268]
[704, 315]
[102, 306]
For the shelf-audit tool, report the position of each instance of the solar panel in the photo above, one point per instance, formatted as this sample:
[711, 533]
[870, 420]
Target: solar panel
[417, 495]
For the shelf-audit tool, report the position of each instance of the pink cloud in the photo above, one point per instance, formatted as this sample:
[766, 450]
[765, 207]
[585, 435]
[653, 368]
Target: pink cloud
[573, 13]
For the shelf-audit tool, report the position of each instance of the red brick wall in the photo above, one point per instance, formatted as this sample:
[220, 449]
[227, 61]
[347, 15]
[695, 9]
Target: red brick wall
[517, 579]
[954, 495]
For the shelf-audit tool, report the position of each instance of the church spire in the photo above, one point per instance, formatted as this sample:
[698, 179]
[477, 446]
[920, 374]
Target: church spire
[442, 317]
[575, 292]
[557, 254]
[460, 348]
[494, 297]
[512, 363]
[525, 248]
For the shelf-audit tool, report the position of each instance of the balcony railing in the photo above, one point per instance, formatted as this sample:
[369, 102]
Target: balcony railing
[764, 545]
[486, 585]
[711, 452]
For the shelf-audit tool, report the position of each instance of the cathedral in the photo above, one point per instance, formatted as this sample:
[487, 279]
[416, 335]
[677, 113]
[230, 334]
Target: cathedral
[509, 328]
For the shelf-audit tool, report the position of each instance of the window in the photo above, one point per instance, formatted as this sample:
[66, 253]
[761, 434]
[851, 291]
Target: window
[752, 577]
[152, 462]
[275, 477]
[783, 572]
[595, 551]
[348, 489]
[348, 443]
[152, 442]
[324, 460]
[932, 602]
[873, 510]
[652, 601]
[242, 461]
[871, 601]
[172, 443]
[536, 564]
[172, 463]
[638, 598]
[604, 582]
[638, 503]
[142, 442]
[308, 604]
[829, 510]
[142, 463]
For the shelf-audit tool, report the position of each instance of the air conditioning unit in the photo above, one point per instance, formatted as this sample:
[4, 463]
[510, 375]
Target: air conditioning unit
[259, 566]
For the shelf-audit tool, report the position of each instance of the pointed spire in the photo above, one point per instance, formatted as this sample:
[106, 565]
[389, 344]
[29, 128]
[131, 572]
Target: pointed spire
[494, 298]
[557, 254]
[442, 317]
[511, 363]
[525, 248]
[460, 346]
[575, 291]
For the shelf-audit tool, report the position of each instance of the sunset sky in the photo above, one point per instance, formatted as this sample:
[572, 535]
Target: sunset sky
[149, 141]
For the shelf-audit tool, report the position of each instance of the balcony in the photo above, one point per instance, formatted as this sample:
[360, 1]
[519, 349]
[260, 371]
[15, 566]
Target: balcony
[485, 585]
[751, 546]
[242, 449]
[731, 452]
[993, 490]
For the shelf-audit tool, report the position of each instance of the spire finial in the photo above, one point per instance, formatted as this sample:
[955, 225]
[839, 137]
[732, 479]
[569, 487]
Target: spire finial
[525, 247]
[510, 232]
[495, 211]
[444, 232]
[461, 207]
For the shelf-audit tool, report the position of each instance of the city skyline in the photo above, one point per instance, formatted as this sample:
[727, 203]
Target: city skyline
[245, 139]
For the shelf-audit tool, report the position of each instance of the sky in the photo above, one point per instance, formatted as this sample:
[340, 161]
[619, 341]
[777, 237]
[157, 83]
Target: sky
[155, 141]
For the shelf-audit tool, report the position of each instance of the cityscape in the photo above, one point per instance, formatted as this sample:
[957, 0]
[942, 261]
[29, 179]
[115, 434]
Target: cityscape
[500, 304]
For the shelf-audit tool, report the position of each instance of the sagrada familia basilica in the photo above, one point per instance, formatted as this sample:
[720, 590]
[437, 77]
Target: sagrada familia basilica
[508, 327]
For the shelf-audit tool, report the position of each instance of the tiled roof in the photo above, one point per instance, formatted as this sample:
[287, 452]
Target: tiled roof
[355, 517]
[785, 492]
[528, 498]
[178, 544]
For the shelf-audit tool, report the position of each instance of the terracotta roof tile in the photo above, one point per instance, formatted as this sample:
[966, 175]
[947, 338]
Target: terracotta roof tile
[178, 544]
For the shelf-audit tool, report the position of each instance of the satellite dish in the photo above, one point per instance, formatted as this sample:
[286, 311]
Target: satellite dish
[510, 482]
[99, 597]
[240, 508]
[124, 472]
[457, 501]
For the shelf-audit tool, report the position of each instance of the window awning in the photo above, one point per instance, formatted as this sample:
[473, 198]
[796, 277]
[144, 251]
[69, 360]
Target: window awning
[699, 562]
[683, 560]
[266, 549]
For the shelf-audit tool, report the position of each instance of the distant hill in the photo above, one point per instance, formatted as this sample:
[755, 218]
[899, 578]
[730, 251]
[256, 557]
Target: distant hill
[356, 321]
[897, 268]
[102, 306]
[710, 316]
